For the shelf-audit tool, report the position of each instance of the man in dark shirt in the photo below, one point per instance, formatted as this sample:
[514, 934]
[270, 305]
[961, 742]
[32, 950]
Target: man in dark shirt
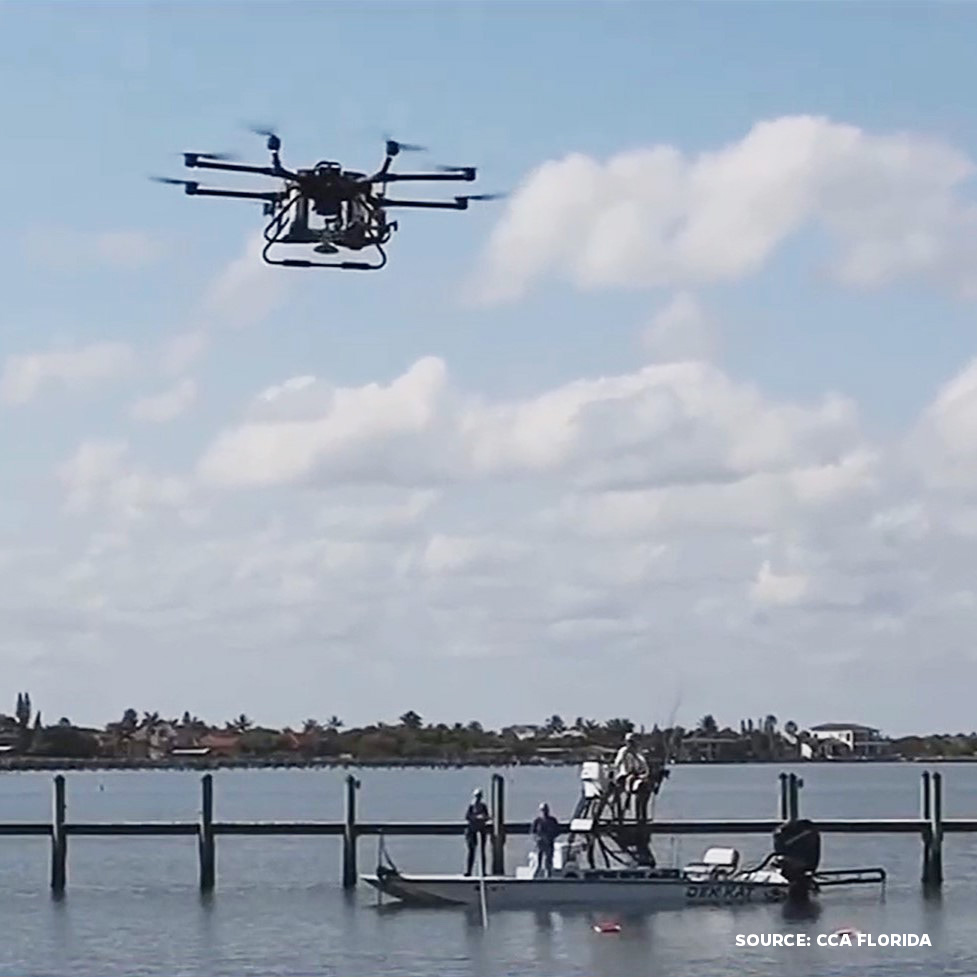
[545, 829]
[476, 829]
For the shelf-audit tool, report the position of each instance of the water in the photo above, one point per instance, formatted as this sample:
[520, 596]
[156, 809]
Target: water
[133, 907]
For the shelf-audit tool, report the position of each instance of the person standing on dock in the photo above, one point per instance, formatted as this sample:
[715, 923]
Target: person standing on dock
[476, 829]
[545, 829]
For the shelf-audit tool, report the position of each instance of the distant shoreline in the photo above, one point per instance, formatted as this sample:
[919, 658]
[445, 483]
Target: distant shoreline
[35, 764]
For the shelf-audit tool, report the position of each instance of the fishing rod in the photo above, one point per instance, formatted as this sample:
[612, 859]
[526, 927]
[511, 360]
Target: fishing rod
[668, 751]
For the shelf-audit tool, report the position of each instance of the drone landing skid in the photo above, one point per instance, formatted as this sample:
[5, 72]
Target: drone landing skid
[307, 263]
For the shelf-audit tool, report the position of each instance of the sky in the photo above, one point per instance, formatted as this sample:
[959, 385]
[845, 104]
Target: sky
[684, 424]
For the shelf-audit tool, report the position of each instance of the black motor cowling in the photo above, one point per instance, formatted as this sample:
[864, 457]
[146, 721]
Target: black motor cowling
[797, 845]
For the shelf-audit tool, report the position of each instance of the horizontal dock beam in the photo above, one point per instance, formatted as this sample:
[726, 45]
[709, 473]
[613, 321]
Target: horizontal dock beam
[431, 829]
[131, 828]
[16, 828]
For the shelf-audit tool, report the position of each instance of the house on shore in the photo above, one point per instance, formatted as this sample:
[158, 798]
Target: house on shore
[850, 740]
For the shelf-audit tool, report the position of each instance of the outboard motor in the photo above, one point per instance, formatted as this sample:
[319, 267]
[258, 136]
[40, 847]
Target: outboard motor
[797, 845]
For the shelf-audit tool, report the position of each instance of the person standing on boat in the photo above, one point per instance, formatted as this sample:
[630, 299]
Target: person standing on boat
[632, 777]
[545, 829]
[476, 829]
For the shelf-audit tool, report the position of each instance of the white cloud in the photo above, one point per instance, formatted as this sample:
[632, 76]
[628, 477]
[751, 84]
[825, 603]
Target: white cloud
[892, 203]
[167, 405]
[778, 589]
[361, 517]
[100, 475]
[24, 375]
[246, 291]
[662, 424]
[663, 522]
[944, 443]
[681, 330]
[469, 554]
[302, 425]
[181, 352]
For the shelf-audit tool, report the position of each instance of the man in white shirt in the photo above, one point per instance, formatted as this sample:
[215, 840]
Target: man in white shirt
[632, 777]
[629, 761]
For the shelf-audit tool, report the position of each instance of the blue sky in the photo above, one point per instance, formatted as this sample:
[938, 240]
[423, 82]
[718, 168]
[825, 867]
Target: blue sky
[96, 97]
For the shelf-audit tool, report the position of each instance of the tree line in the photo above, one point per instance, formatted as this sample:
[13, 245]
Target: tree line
[410, 737]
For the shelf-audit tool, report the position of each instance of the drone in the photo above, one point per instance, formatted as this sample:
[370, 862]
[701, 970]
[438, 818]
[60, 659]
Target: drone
[352, 206]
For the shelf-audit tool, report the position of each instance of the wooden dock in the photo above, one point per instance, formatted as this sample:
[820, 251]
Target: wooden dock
[930, 826]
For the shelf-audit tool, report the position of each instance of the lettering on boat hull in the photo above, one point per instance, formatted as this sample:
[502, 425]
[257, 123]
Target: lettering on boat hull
[732, 893]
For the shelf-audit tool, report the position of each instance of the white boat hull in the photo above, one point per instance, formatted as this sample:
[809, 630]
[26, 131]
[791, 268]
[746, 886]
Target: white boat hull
[506, 892]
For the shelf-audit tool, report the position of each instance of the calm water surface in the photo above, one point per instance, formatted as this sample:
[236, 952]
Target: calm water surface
[133, 908]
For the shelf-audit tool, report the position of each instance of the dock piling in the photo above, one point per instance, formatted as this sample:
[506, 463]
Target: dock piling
[59, 838]
[794, 785]
[936, 829]
[925, 815]
[205, 838]
[350, 873]
[790, 807]
[931, 814]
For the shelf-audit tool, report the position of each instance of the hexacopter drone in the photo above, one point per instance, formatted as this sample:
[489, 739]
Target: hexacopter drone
[353, 206]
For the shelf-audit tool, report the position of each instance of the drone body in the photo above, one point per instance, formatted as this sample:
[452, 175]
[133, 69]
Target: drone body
[327, 207]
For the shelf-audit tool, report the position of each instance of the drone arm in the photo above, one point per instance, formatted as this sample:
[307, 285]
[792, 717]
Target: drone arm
[466, 176]
[459, 203]
[195, 191]
[193, 161]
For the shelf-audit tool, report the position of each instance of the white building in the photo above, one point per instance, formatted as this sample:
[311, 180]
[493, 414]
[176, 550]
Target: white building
[853, 738]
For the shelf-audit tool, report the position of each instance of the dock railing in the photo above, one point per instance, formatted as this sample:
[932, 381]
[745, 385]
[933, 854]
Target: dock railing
[930, 826]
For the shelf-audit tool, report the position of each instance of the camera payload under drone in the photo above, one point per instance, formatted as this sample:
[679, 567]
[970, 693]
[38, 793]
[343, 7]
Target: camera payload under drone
[352, 206]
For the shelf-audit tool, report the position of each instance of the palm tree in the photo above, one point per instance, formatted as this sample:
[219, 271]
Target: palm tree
[770, 731]
[618, 728]
[333, 723]
[586, 726]
[708, 725]
[411, 720]
[553, 725]
[240, 725]
[311, 726]
[23, 713]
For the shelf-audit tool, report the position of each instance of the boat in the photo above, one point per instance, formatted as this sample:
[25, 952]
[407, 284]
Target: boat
[606, 862]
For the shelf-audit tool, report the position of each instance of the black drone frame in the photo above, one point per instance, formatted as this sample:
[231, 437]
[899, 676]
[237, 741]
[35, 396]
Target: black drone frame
[334, 193]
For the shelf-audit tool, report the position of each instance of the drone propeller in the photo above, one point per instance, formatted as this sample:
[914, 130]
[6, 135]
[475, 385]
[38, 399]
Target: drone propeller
[454, 169]
[394, 146]
[485, 196]
[216, 157]
[176, 183]
[274, 140]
